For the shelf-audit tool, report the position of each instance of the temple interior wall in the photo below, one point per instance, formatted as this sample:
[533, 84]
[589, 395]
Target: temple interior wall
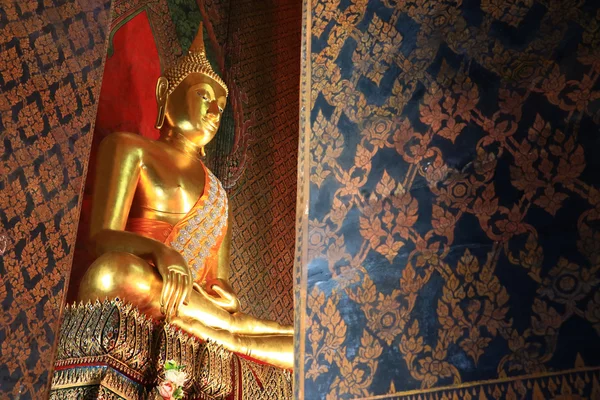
[447, 165]
[449, 170]
[267, 66]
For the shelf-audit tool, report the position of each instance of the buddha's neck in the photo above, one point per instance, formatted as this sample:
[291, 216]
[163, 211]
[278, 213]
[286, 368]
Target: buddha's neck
[181, 143]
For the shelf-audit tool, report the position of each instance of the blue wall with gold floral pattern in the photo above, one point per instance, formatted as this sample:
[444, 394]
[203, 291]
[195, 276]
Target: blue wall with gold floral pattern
[448, 163]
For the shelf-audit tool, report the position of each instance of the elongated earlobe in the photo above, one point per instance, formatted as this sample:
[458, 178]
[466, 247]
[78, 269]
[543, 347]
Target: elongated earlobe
[162, 86]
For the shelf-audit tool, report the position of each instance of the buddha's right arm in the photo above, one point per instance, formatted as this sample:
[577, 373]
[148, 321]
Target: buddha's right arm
[119, 161]
[118, 166]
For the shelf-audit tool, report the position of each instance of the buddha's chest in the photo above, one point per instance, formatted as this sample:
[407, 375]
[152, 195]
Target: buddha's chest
[167, 190]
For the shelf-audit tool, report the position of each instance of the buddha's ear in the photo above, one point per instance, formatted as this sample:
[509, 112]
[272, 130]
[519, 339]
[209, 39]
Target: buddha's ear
[162, 86]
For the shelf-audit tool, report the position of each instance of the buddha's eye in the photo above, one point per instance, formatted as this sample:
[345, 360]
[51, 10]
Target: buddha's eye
[203, 94]
[221, 110]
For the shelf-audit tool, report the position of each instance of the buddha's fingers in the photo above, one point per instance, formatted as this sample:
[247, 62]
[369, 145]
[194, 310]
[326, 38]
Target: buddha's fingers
[226, 295]
[215, 301]
[179, 292]
[170, 283]
[187, 290]
[232, 303]
[170, 295]
[163, 294]
[175, 296]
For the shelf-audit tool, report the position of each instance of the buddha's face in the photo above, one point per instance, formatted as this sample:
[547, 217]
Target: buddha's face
[195, 107]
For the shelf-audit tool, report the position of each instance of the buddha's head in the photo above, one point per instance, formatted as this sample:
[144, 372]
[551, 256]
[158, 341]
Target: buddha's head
[191, 96]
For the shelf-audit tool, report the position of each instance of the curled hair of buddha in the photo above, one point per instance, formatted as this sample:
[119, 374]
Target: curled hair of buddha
[194, 61]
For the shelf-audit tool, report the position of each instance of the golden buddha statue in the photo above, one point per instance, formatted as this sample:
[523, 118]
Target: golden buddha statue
[160, 224]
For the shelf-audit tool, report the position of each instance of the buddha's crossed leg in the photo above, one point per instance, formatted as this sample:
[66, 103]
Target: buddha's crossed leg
[131, 279]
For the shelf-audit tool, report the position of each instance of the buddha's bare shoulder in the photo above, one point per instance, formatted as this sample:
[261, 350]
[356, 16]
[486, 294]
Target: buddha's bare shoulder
[130, 143]
[127, 146]
[126, 139]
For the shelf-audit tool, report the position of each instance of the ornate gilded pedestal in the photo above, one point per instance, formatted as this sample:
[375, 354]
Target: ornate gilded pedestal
[110, 351]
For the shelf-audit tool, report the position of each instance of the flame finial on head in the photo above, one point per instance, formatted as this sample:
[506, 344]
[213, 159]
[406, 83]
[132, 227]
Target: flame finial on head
[193, 62]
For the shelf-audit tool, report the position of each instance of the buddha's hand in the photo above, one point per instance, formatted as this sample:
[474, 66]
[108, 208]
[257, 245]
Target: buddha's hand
[177, 281]
[218, 292]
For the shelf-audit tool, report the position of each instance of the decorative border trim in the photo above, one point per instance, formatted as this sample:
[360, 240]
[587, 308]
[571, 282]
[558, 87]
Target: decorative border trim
[303, 201]
[480, 384]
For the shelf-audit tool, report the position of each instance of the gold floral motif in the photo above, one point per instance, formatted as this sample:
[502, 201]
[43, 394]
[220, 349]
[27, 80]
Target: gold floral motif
[330, 148]
[387, 216]
[511, 12]
[473, 311]
[386, 315]
[326, 335]
[376, 49]
[568, 283]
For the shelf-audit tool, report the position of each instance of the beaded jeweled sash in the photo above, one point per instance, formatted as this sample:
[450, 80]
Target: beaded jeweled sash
[199, 234]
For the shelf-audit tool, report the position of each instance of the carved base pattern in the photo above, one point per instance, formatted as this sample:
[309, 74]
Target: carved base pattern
[109, 350]
[97, 382]
[84, 393]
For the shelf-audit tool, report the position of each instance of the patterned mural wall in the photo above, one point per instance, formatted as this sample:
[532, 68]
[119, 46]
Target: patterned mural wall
[51, 62]
[264, 51]
[448, 167]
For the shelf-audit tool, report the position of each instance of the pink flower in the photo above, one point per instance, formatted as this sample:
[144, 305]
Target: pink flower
[166, 390]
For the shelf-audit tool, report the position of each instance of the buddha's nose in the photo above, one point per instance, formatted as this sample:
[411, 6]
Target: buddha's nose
[213, 111]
